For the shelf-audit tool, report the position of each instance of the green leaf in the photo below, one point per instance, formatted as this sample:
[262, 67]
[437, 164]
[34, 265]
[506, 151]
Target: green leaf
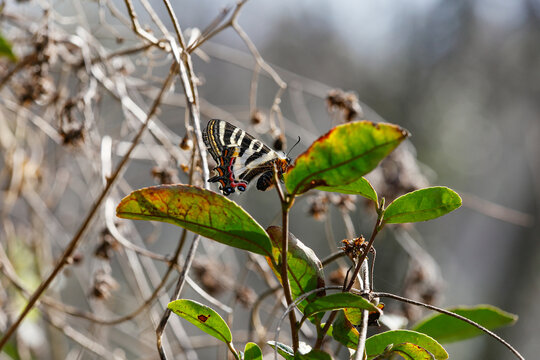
[313, 355]
[377, 344]
[202, 211]
[305, 269]
[252, 352]
[5, 49]
[343, 331]
[359, 187]
[343, 155]
[338, 301]
[446, 329]
[284, 350]
[408, 351]
[421, 205]
[203, 317]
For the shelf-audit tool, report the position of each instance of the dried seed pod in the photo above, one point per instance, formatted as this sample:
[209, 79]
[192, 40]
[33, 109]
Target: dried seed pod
[257, 117]
[107, 245]
[187, 143]
[345, 102]
[279, 142]
[103, 285]
[245, 296]
[318, 206]
[165, 175]
[353, 248]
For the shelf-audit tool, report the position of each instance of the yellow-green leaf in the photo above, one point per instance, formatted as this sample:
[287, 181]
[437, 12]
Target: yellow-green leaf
[343, 155]
[284, 350]
[408, 351]
[252, 352]
[446, 329]
[338, 301]
[203, 317]
[359, 187]
[202, 211]
[421, 205]
[305, 269]
[377, 344]
[343, 331]
[5, 49]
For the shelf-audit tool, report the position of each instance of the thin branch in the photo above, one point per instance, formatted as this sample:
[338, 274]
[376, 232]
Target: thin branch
[93, 211]
[212, 30]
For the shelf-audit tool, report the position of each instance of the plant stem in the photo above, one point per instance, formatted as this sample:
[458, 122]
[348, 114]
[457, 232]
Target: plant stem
[233, 350]
[362, 257]
[286, 203]
[284, 273]
[359, 263]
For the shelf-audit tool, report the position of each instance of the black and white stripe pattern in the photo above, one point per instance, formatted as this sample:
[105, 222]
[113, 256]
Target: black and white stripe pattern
[248, 159]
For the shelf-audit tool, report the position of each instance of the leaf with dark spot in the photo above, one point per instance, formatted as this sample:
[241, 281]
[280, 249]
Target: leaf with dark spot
[202, 211]
[202, 316]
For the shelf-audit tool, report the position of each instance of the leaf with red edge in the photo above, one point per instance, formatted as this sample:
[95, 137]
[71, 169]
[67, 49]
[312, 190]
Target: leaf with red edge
[343, 155]
[202, 211]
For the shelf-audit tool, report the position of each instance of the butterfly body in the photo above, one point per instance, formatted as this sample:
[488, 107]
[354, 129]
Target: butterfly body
[241, 158]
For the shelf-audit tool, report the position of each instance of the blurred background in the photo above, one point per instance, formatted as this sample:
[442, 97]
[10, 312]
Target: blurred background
[462, 76]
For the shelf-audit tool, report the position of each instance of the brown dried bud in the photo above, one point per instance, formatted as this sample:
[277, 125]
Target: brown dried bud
[165, 175]
[184, 168]
[353, 248]
[107, 245]
[346, 102]
[279, 142]
[318, 207]
[257, 117]
[337, 277]
[187, 143]
[245, 296]
[103, 285]
[210, 277]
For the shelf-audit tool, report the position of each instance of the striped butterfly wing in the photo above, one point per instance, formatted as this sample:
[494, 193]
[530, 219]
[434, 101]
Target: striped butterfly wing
[239, 156]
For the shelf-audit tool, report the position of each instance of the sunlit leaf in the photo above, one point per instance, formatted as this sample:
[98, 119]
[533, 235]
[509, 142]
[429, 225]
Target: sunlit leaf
[421, 205]
[252, 352]
[202, 211]
[338, 301]
[5, 49]
[354, 315]
[446, 329]
[408, 351]
[284, 350]
[343, 155]
[203, 317]
[360, 187]
[305, 269]
[343, 331]
[377, 344]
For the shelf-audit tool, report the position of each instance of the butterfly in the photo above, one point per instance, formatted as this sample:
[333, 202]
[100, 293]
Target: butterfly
[241, 158]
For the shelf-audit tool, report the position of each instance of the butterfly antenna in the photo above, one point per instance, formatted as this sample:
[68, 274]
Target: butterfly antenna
[296, 143]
